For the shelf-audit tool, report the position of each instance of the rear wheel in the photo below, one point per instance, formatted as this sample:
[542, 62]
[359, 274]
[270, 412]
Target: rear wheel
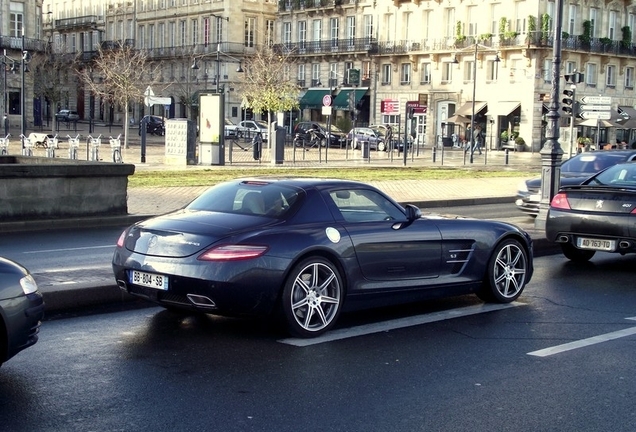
[506, 275]
[575, 254]
[381, 146]
[312, 298]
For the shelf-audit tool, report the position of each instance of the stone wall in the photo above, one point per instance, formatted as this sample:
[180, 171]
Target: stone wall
[33, 188]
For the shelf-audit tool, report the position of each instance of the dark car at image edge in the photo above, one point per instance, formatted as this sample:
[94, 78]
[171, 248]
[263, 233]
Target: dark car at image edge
[21, 309]
[574, 171]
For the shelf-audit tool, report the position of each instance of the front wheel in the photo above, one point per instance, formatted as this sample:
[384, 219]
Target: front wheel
[506, 274]
[381, 146]
[313, 297]
[575, 254]
[117, 156]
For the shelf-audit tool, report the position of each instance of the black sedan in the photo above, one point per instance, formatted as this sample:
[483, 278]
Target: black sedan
[21, 309]
[573, 172]
[598, 215]
[311, 248]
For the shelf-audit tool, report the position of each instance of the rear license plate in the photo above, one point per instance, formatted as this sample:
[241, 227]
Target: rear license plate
[596, 244]
[149, 280]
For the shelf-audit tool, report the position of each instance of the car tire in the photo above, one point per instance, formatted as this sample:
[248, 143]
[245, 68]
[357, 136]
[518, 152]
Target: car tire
[506, 273]
[312, 298]
[575, 254]
[381, 146]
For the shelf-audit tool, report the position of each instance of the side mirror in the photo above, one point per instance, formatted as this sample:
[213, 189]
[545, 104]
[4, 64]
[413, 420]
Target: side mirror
[413, 212]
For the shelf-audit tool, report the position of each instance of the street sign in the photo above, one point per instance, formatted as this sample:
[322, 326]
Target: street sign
[326, 100]
[389, 106]
[596, 115]
[596, 107]
[601, 100]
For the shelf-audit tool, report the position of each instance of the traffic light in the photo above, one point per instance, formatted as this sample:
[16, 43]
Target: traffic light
[574, 78]
[569, 106]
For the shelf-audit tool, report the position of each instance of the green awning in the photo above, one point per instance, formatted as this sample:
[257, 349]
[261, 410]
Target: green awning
[312, 99]
[342, 99]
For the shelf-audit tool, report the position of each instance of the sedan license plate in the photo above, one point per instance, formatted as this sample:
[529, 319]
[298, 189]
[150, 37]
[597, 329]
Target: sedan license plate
[149, 280]
[595, 244]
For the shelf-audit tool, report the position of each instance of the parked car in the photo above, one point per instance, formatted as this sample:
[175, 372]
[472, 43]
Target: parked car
[311, 248]
[154, 125]
[67, 116]
[231, 129]
[360, 135]
[573, 171]
[21, 309]
[597, 215]
[337, 138]
[397, 136]
[248, 128]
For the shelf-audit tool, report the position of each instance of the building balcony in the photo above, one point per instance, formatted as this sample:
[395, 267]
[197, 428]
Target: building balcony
[78, 22]
[334, 46]
[15, 43]
[312, 6]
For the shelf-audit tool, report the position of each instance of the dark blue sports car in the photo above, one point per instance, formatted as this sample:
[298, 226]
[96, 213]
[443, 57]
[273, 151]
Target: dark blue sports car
[311, 248]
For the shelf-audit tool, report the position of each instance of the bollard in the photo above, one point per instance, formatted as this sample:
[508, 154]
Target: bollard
[434, 152]
[506, 155]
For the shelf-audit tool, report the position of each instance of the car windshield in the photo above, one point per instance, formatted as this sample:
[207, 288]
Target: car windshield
[590, 163]
[261, 125]
[228, 122]
[378, 130]
[248, 197]
[617, 175]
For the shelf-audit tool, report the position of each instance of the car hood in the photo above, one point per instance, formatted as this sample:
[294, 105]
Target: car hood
[187, 232]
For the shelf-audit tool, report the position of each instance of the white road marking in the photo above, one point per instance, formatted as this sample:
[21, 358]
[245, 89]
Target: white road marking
[69, 249]
[584, 342]
[71, 269]
[398, 324]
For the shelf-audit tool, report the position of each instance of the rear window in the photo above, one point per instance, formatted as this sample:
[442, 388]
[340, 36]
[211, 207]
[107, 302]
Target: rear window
[248, 197]
[591, 163]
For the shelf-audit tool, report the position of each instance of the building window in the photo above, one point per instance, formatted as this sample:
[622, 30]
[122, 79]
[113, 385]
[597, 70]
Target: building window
[206, 31]
[301, 75]
[302, 34]
[590, 74]
[425, 71]
[16, 19]
[570, 67]
[405, 73]
[195, 32]
[611, 31]
[334, 24]
[315, 74]
[183, 33]
[351, 30]
[366, 70]
[492, 70]
[368, 26]
[447, 72]
[386, 74]
[629, 77]
[547, 70]
[287, 30]
[269, 35]
[610, 74]
[250, 28]
[593, 21]
[469, 68]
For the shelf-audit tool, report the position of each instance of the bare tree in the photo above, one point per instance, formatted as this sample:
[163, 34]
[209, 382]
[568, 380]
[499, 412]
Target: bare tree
[120, 75]
[268, 85]
[50, 77]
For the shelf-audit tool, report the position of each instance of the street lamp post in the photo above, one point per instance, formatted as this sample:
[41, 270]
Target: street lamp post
[22, 90]
[551, 152]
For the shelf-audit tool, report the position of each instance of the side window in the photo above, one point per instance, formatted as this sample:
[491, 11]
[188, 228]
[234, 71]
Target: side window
[364, 205]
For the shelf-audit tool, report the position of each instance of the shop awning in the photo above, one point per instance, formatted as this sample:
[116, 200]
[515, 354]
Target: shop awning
[467, 108]
[342, 99]
[503, 109]
[312, 99]
[628, 117]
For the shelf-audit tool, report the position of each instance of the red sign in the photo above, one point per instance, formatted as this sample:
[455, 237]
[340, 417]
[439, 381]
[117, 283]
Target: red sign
[389, 106]
[417, 107]
[326, 100]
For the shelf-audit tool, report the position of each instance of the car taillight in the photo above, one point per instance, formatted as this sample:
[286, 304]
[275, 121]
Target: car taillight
[232, 253]
[560, 201]
[120, 240]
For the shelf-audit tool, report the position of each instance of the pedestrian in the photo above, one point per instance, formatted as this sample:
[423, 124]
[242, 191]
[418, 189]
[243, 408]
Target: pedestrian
[454, 139]
[389, 137]
[478, 139]
[468, 142]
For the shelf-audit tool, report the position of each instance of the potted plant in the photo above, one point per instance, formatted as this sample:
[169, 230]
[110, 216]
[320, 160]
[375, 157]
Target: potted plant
[545, 28]
[504, 137]
[626, 40]
[520, 144]
[586, 37]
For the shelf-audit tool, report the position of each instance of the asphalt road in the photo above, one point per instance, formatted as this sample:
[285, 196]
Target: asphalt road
[446, 366]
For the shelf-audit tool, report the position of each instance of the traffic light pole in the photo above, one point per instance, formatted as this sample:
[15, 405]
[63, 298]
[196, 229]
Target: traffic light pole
[574, 115]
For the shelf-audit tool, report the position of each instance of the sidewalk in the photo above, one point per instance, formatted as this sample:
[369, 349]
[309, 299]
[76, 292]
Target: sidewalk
[67, 291]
